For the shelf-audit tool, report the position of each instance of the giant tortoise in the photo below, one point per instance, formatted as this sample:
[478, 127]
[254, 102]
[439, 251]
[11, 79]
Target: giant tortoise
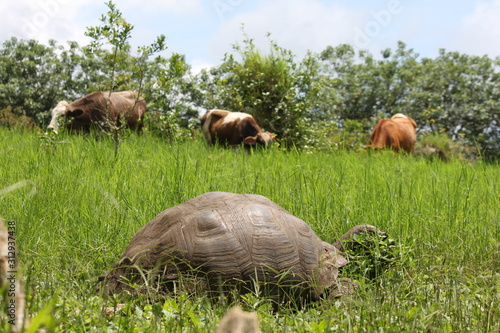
[227, 240]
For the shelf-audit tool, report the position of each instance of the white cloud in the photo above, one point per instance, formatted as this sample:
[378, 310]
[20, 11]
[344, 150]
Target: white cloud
[67, 20]
[480, 32]
[204, 31]
[171, 6]
[43, 19]
[298, 25]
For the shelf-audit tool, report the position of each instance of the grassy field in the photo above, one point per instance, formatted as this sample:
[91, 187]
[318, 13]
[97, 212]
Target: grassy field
[76, 207]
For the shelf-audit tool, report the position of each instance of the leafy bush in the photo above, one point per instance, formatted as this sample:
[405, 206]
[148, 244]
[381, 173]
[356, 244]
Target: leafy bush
[440, 146]
[370, 255]
[166, 125]
[11, 119]
[328, 135]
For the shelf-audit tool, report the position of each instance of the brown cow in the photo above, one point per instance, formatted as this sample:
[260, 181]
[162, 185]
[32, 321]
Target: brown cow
[396, 133]
[91, 109]
[233, 128]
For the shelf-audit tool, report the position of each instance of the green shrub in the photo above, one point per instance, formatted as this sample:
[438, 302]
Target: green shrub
[11, 119]
[328, 135]
[166, 125]
[440, 146]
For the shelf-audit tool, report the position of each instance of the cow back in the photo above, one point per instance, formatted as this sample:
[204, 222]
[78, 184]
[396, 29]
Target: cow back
[102, 107]
[233, 128]
[397, 133]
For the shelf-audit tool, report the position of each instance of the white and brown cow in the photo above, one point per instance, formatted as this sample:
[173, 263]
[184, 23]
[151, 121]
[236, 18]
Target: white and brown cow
[233, 128]
[397, 133]
[99, 108]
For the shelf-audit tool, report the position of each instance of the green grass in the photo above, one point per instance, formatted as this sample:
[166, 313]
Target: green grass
[76, 207]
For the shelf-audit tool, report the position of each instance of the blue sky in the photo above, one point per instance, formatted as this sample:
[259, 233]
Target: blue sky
[204, 30]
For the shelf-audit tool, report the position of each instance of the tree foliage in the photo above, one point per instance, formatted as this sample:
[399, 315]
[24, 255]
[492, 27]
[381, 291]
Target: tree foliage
[327, 100]
[155, 77]
[455, 93]
[33, 77]
[459, 94]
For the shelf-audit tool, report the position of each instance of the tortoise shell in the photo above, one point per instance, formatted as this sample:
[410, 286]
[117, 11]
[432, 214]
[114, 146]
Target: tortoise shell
[230, 238]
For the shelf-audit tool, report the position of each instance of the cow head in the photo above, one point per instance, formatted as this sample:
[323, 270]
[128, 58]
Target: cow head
[262, 138]
[58, 111]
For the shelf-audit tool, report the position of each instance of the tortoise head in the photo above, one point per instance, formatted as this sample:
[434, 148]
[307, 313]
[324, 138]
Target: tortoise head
[333, 259]
[328, 276]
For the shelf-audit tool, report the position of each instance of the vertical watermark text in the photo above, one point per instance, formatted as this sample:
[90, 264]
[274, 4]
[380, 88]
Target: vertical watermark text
[11, 273]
